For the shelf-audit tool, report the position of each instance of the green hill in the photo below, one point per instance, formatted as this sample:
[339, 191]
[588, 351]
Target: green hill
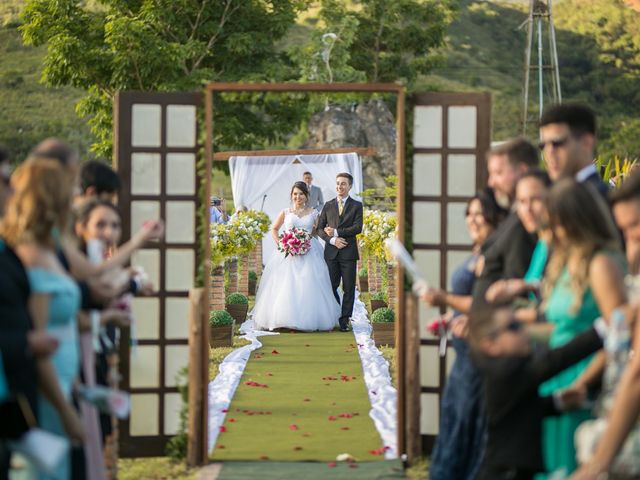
[598, 48]
[29, 110]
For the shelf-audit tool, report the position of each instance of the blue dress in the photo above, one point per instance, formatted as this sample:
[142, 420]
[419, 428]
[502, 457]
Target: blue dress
[459, 447]
[64, 303]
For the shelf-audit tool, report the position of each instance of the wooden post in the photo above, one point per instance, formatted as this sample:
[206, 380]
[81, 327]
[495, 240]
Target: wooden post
[197, 362]
[243, 274]
[216, 295]
[412, 436]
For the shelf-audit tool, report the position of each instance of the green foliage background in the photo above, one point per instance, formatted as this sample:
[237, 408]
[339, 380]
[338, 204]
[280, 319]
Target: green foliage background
[598, 45]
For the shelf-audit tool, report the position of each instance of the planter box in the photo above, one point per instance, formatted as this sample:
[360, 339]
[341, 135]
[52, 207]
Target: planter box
[221, 336]
[252, 287]
[364, 284]
[376, 304]
[384, 334]
[238, 312]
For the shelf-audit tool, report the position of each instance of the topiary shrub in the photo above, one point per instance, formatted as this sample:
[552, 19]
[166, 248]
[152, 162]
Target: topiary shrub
[363, 272]
[383, 315]
[379, 296]
[237, 299]
[220, 318]
[253, 276]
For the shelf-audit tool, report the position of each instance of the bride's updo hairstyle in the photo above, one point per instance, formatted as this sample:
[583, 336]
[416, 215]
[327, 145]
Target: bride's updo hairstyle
[302, 187]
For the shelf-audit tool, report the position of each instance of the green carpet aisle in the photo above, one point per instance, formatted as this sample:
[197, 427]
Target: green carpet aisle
[386, 470]
[301, 398]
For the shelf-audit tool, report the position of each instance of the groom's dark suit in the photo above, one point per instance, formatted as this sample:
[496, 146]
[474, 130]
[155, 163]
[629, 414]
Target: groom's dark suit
[342, 262]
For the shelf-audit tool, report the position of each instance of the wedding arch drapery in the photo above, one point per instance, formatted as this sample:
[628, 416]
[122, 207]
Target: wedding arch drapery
[264, 182]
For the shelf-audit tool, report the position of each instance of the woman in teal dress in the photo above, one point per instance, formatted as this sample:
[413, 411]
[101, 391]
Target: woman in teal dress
[583, 281]
[37, 211]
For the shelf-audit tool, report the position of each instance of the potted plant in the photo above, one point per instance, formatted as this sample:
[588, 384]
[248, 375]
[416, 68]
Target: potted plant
[363, 279]
[383, 324]
[237, 305]
[378, 300]
[253, 280]
[221, 325]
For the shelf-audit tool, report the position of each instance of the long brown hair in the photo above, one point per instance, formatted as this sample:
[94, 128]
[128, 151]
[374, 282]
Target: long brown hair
[582, 213]
[40, 204]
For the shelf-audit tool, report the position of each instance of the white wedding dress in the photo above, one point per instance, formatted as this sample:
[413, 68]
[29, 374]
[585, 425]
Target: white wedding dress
[295, 292]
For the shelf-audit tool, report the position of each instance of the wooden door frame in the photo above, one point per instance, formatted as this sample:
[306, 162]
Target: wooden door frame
[392, 88]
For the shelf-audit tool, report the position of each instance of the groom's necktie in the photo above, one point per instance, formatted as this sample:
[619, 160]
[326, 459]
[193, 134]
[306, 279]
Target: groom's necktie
[340, 206]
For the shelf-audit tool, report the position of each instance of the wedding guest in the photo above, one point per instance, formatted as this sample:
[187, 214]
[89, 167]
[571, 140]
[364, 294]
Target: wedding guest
[530, 203]
[216, 211]
[583, 281]
[36, 215]
[567, 141]
[20, 345]
[315, 193]
[459, 447]
[512, 373]
[97, 179]
[510, 250]
[610, 443]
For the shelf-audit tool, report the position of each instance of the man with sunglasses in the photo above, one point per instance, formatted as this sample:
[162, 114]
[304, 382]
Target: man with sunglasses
[568, 141]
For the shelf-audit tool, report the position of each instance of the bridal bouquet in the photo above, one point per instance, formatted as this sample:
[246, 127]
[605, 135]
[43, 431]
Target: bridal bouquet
[296, 241]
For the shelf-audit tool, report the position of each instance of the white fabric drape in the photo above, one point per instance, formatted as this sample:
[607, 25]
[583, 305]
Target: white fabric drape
[265, 182]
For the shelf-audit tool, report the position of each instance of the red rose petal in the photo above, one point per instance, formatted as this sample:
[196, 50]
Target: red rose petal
[275, 352]
[293, 426]
[353, 465]
[264, 457]
[332, 418]
[223, 429]
[232, 420]
[225, 410]
[332, 464]
[220, 446]
[344, 428]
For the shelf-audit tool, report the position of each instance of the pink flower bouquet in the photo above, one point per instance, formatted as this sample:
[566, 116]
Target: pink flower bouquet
[294, 242]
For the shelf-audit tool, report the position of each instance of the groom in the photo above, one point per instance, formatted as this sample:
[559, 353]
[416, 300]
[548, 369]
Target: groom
[338, 224]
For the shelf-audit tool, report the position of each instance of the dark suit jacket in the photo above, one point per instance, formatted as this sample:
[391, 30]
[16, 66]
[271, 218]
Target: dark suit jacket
[15, 323]
[514, 409]
[597, 183]
[349, 224]
[508, 255]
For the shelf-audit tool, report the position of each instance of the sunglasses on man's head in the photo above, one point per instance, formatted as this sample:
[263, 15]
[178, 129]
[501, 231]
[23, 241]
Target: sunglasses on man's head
[555, 143]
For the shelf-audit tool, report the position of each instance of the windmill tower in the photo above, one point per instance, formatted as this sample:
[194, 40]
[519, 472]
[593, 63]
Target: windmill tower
[546, 67]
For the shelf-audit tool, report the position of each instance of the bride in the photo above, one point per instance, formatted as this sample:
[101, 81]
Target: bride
[295, 292]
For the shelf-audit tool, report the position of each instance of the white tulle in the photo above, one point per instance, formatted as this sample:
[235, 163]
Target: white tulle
[295, 292]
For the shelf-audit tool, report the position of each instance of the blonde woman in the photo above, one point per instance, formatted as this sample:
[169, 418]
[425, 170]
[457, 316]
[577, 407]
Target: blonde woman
[36, 214]
[583, 281]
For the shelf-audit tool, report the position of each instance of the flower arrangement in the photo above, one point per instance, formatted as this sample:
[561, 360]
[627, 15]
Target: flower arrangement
[377, 226]
[239, 236]
[294, 242]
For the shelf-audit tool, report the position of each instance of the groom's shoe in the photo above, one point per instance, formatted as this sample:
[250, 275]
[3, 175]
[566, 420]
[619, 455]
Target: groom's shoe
[344, 325]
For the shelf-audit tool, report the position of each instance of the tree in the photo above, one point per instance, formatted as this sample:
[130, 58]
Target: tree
[165, 45]
[383, 40]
